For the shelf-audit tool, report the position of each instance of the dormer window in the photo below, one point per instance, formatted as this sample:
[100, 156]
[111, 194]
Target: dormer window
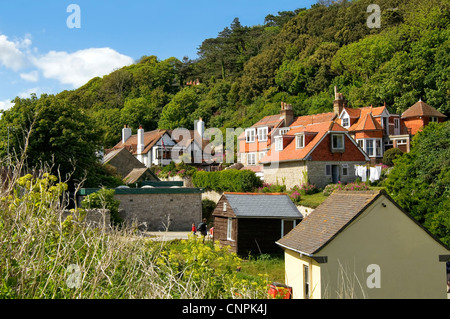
[346, 122]
[283, 130]
[337, 142]
[262, 134]
[278, 144]
[250, 135]
[300, 141]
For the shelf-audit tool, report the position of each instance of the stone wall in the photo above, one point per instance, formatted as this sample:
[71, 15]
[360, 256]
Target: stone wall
[159, 212]
[286, 173]
[316, 172]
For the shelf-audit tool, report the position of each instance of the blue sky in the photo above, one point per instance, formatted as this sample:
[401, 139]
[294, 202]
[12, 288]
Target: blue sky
[39, 53]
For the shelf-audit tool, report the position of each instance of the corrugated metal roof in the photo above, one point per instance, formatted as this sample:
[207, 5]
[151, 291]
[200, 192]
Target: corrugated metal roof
[263, 205]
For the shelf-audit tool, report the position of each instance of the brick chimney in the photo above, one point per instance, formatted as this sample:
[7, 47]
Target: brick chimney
[126, 133]
[339, 102]
[287, 113]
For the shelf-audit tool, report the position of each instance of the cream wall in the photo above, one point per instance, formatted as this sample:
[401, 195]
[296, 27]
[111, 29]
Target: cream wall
[294, 274]
[407, 256]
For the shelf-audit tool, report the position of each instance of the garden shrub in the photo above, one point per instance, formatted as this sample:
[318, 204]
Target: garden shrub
[231, 180]
[390, 155]
[356, 186]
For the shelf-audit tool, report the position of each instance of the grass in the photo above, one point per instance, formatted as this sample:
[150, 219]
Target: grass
[313, 200]
[270, 266]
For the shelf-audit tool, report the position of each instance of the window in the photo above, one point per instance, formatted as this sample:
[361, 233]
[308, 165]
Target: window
[224, 207]
[378, 148]
[402, 142]
[372, 147]
[369, 147]
[337, 141]
[229, 228]
[328, 170]
[300, 141]
[361, 143]
[262, 134]
[278, 144]
[433, 119]
[250, 135]
[346, 122]
[306, 290]
[283, 131]
[261, 155]
[344, 169]
[396, 126]
[251, 159]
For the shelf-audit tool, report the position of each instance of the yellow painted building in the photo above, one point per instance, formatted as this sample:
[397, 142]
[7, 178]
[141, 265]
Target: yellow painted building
[361, 244]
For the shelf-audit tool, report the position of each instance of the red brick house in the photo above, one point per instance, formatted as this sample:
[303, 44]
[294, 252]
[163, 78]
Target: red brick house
[257, 140]
[420, 115]
[319, 153]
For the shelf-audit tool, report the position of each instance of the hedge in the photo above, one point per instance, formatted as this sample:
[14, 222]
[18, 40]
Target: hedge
[231, 180]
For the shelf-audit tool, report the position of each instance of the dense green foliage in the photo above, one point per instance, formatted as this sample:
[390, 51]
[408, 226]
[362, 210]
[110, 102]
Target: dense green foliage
[390, 155]
[231, 180]
[419, 180]
[295, 56]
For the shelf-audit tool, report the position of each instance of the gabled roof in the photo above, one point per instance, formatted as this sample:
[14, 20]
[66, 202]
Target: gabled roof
[290, 152]
[139, 174]
[327, 220]
[330, 218]
[257, 205]
[366, 123]
[150, 139]
[421, 109]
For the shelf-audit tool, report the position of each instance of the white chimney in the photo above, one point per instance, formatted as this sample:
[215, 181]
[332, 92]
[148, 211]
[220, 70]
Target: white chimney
[201, 127]
[140, 140]
[126, 133]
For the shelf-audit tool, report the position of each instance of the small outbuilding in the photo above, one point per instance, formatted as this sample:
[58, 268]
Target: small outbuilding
[252, 222]
[361, 244]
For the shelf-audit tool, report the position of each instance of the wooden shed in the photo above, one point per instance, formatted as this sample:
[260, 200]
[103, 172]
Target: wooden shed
[253, 222]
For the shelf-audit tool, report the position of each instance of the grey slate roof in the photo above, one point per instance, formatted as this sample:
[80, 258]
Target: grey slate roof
[328, 220]
[263, 206]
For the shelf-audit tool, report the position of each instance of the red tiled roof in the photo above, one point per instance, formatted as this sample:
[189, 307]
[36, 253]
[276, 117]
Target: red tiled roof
[422, 109]
[290, 152]
[366, 122]
[313, 119]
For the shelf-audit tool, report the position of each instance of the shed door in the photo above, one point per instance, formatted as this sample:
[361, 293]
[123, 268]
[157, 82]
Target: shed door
[286, 227]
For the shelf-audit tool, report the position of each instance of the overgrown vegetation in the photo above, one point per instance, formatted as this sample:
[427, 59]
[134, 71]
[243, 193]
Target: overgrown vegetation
[44, 256]
[231, 180]
[419, 181]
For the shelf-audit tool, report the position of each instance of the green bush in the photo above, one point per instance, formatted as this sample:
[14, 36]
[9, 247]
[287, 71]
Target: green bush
[104, 198]
[390, 155]
[227, 181]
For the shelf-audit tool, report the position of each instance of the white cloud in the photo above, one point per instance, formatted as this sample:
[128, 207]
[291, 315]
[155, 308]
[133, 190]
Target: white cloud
[32, 76]
[79, 67]
[10, 55]
[5, 105]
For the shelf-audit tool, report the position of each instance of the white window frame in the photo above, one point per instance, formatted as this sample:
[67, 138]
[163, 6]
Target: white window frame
[396, 126]
[332, 142]
[345, 122]
[345, 170]
[306, 282]
[261, 155]
[377, 146]
[283, 131]
[433, 119]
[251, 159]
[230, 228]
[278, 144]
[262, 134]
[300, 141]
[250, 135]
